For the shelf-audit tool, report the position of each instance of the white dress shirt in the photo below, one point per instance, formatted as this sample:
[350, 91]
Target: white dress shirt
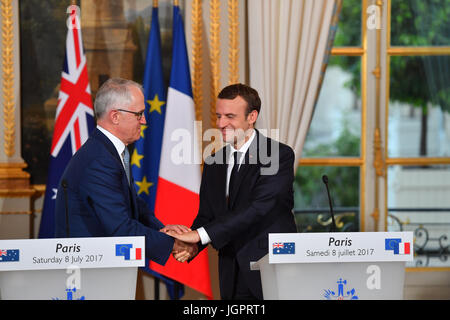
[118, 144]
[204, 237]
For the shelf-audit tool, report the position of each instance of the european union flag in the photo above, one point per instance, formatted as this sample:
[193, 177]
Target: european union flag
[9, 255]
[146, 155]
[284, 248]
[147, 150]
[392, 244]
[123, 250]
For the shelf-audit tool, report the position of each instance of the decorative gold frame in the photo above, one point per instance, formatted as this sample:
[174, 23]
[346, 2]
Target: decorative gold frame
[197, 56]
[233, 36]
[214, 42]
[8, 77]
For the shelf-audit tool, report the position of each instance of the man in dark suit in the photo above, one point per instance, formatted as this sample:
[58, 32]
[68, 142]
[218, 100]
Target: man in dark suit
[244, 201]
[101, 199]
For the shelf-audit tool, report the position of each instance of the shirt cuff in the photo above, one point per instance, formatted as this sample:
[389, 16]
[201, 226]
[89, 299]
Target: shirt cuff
[204, 237]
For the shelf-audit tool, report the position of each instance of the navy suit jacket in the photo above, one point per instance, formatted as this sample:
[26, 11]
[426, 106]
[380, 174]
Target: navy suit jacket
[101, 203]
[262, 204]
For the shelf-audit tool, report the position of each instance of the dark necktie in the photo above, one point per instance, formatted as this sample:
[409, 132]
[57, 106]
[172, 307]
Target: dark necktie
[126, 162]
[234, 173]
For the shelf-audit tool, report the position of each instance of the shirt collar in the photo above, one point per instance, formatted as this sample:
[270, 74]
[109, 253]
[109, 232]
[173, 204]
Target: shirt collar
[118, 144]
[245, 146]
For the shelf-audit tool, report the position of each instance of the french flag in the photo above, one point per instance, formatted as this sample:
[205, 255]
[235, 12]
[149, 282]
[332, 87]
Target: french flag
[177, 196]
[404, 248]
[136, 254]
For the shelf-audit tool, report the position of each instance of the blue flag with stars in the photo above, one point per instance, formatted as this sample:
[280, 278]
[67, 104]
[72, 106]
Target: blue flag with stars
[147, 150]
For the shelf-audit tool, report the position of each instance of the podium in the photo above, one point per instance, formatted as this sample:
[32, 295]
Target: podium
[335, 266]
[70, 268]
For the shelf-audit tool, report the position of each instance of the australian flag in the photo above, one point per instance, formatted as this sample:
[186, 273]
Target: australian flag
[283, 248]
[9, 255]
[74, 119]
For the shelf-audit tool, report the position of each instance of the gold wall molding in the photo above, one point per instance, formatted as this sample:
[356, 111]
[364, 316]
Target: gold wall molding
[418, 51]
[214, 38]
[233, 47]
[417, 161]
[33, 192]
[217, 53]
[13, 178]
[16, 212]
[343, 161]
[378, 163]
[197, 57]
[8, 77]
[347, 51]
[14, 182]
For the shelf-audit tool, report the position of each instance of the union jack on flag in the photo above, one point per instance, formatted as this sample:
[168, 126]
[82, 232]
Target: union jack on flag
[278, 245]
[74, 118]
[283, 248]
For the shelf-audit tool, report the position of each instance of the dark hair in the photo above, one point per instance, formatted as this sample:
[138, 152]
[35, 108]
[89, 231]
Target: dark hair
[247, 93]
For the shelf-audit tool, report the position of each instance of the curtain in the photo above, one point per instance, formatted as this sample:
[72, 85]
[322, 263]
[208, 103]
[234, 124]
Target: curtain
[289, 45]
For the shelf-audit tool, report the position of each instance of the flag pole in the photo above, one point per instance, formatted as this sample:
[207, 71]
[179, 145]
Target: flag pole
[177, 284]
[156, 279]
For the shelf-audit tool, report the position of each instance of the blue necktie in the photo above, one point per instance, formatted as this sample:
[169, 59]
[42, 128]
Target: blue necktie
[126, 162]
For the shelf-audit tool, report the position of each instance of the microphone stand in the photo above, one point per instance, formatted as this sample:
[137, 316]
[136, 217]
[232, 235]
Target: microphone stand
[333, 222]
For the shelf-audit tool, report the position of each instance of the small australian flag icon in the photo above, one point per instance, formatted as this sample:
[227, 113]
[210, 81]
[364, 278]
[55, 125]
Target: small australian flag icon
[9, 255]
[283, 248]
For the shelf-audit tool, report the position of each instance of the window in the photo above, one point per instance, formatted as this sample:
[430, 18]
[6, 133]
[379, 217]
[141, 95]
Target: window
[334, 144]
[381, 128]
[418, 127]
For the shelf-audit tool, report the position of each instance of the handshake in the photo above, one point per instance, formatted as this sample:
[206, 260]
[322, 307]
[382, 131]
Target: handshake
[185, 246]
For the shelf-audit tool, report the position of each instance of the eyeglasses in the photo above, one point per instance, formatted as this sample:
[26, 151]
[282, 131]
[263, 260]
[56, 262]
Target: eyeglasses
[137, 114]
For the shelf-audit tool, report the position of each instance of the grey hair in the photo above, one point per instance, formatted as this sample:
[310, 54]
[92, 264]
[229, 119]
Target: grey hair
[114, 93]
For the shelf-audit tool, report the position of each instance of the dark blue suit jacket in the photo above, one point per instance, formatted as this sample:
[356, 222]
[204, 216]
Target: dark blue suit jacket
[102, 204]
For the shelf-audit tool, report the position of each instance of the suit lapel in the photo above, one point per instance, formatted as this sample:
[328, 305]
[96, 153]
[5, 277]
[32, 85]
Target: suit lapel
[249, 165]
[134, 198]
[130, 192]
[97, 134]
[222, 167]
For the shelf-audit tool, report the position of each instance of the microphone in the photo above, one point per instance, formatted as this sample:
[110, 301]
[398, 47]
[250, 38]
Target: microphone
[64, 185]
[333, 222]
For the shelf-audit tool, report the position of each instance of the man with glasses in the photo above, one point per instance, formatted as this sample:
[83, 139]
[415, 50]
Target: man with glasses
[96, 196]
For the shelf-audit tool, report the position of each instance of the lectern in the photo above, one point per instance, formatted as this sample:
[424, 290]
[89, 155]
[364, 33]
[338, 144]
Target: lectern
[335, 266]
[70, 268]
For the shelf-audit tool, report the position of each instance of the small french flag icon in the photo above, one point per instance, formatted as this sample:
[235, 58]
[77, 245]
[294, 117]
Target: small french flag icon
[136, 254]
[404, 248]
